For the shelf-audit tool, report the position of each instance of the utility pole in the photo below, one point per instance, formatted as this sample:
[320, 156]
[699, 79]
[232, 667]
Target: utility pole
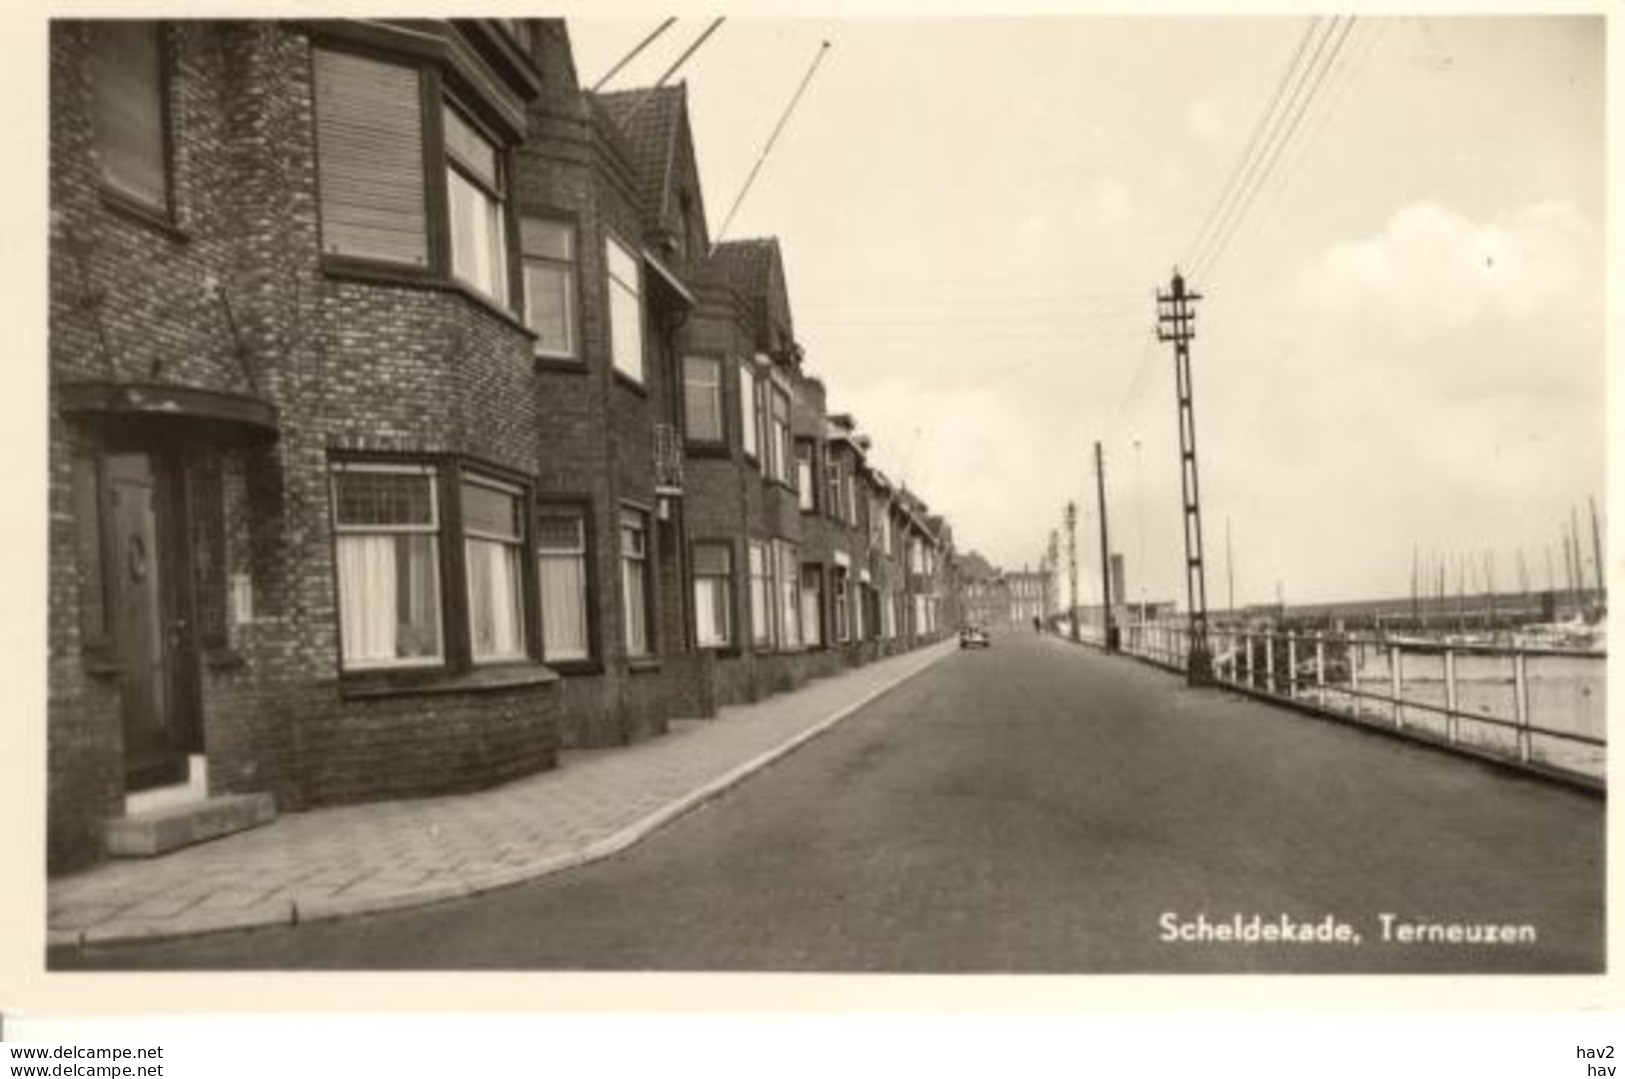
[1052, 598]
[1176, 323]
[1105, 556]
[1072, 564]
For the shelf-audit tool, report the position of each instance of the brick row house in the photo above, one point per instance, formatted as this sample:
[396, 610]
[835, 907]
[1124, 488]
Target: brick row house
[405, 427]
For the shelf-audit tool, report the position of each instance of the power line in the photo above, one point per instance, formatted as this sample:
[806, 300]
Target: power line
[1231, 184]
[1337, 93]
[694, 47]
[1218, 250]
[784, 118]
[636, 49]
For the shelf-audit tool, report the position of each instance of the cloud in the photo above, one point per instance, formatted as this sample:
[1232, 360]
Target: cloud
[1433, 270]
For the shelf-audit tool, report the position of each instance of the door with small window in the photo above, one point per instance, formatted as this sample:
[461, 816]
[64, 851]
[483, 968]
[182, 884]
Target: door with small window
[153, 642]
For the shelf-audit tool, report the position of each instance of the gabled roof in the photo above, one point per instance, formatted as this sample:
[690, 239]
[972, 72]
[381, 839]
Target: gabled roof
[755, 269]
[648, 121]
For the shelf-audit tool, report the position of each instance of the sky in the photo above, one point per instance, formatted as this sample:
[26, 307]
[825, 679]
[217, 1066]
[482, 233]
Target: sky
[1399, 352]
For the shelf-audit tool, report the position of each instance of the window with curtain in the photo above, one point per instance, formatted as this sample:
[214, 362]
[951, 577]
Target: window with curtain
[788, 587]
[761, 583]
[812, 604]
[561, 555]
[127, 111]
[386, 519]
[549, 250]
[702, 398]
[713, 594]
[369, 145]
[625, 309]
[475, 201]
[635, 581]
[494, 551]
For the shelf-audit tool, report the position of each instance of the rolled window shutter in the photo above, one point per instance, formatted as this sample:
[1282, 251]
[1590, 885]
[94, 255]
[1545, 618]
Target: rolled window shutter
[369, 135]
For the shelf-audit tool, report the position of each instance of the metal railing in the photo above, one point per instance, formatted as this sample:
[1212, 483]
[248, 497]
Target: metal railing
[668, 458]
[1538, 706]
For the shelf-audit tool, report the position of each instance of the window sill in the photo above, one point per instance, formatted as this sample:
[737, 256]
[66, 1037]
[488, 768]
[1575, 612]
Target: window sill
[574, 668]
[627, 382]
[643, 664]
[224, 659]
[481, 679]
[562, 364]
[706, 449]
[153, 217]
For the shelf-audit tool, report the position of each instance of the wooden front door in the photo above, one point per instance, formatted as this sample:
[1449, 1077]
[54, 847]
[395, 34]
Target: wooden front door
[151, 600]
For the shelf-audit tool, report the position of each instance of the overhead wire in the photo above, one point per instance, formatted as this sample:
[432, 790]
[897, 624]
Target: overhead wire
[636, 49]
[1243, 163]
[1217, 251]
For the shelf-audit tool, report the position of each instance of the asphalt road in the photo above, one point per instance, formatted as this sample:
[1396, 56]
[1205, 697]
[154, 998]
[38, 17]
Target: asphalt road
[1031, 808]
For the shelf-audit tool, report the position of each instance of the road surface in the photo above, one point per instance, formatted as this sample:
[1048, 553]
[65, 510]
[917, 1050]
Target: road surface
[1035, 807]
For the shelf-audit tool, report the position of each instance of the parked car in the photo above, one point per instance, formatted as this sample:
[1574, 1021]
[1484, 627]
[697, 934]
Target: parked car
[974, 637]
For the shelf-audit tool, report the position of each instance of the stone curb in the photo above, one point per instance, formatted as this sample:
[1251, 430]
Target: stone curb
[595, 850]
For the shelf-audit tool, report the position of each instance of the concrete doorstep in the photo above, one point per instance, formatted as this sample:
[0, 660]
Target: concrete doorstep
[348, 860]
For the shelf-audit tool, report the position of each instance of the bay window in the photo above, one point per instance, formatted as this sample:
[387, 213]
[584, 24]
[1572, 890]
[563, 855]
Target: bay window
[561, 556]
[386, 140]
[430, 563]
[713, 594]
[387, 523]
[635, 581]
[702, 398]
[625, 309]
[127, 110]
[549, 252]
[494, 552]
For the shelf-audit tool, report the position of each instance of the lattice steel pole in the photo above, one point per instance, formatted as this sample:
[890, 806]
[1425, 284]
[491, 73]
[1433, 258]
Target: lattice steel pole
[1176, 323]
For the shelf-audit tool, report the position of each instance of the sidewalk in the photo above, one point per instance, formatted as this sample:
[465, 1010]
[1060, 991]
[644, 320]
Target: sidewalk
[345, 860]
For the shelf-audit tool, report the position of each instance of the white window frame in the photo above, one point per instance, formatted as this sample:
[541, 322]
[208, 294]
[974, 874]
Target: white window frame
[570, 269]
[726, 579]
[636, 568]
[494, 220]
[623, 355]
[518, 543]
[577, 555]
[431, 529]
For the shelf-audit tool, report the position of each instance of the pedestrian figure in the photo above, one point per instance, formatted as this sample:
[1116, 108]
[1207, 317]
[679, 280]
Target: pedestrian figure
[1038, 624]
